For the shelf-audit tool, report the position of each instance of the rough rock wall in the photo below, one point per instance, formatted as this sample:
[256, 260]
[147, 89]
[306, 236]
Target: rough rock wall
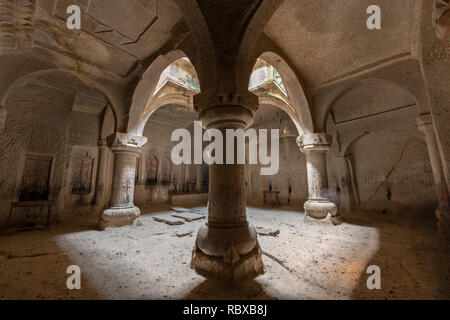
[391, 167]
[41, 122]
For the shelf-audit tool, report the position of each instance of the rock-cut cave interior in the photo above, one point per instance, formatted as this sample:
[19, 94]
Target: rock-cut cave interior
[87, 170]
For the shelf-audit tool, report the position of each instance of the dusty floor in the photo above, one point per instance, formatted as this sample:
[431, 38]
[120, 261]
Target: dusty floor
[305, 261]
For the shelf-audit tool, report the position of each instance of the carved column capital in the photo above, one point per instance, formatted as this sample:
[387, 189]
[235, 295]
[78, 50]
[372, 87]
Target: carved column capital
[441, 19]
[227, 116]
[102, 143]
[314, 142]
[425, 122]
[234, 109]
[124, 142]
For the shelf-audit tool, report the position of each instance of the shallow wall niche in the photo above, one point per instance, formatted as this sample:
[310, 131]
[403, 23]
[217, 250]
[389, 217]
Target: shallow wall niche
[393, 173]
[379, 159]
[35, 181]
[291, 179]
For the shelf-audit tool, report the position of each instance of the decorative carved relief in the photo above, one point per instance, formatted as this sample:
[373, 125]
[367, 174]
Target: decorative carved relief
[205, 177]
[312, 139]
[82, 170]
[441, 19]
[138, 171]
[152, 170]
[35, 178]
[439, 53]
[125, 194]
[166, 171]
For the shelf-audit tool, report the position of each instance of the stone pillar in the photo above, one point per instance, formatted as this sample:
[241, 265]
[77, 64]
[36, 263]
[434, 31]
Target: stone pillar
[425, 123]
[318, 206]
[102, 173]
[227, 245]
[122, 210]
[2, 118]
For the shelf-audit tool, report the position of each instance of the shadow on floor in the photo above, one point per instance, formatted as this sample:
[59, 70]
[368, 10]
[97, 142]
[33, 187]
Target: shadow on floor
[411, 255]
[37, 270]
[219, 289]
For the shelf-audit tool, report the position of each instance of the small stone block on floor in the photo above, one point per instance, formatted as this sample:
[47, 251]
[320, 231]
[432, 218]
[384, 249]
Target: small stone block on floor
[179, 209]
[167, 219]
[182, 234]
[188, 216]
[267, 232]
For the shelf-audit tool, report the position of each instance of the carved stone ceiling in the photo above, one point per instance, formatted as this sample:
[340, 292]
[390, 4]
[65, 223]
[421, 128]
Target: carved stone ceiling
[327, 39]
[115, 34]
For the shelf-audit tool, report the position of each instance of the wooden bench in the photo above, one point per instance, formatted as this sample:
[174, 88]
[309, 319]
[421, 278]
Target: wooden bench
[30, 204]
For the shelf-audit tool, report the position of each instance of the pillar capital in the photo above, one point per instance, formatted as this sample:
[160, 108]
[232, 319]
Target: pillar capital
[440, 19]
[312, 142]
[125, 142]
[425, 122]
[102, 143]
[227, 117]
[227, 110]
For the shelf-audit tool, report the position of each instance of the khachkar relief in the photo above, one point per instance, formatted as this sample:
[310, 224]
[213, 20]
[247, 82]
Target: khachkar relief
[441, 19]
[126, 195]
[152, 170]
[82, 170]
[166, 171]
[36, 178]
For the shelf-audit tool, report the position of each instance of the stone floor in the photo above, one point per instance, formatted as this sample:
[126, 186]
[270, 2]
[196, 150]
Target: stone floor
[304, 261]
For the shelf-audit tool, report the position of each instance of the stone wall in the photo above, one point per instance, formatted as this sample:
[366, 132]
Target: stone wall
[391, 171]
[41, 122]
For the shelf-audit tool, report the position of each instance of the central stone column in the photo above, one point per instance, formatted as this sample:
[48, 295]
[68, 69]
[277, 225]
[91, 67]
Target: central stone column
[122, 211]
[425, 123]
[227, 245]
[318, 206]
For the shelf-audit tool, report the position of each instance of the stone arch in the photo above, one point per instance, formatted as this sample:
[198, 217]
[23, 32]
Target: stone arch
[89, 83]
[15, 67]
[154, 105]
[143, 95]
[299, 107]
[347, 90]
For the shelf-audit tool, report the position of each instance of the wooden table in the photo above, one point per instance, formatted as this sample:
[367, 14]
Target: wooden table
[30, 204]
[272, 197]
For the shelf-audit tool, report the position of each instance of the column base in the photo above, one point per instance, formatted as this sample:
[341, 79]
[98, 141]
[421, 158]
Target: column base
[118, 217]
[231, 253]
[232, 267]
[320, 210]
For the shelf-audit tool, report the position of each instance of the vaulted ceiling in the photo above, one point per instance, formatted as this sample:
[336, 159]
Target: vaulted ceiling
[325, 39]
